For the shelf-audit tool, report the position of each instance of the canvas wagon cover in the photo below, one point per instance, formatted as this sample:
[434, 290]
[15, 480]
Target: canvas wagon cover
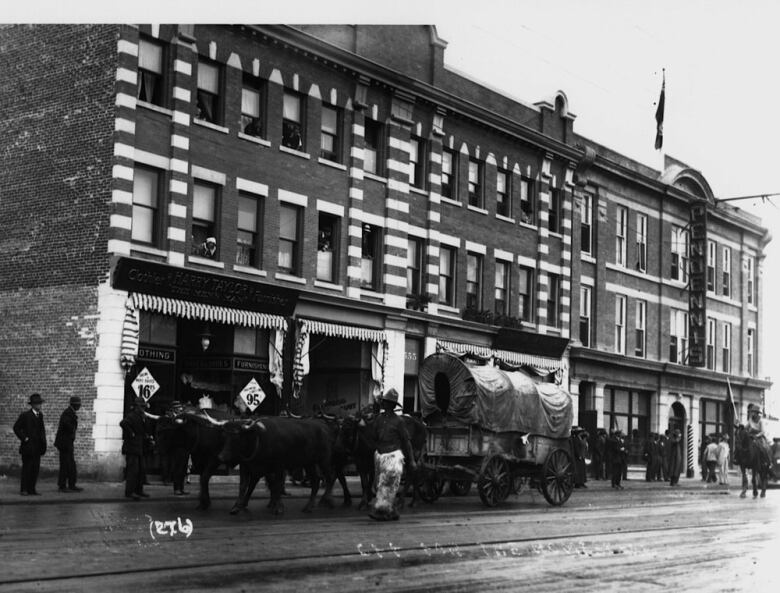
[493, 399]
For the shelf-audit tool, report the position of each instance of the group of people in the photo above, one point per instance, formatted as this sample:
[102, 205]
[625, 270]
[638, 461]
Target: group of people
[715, 459]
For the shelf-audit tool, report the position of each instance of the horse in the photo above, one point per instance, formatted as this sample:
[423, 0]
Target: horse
[748, 455]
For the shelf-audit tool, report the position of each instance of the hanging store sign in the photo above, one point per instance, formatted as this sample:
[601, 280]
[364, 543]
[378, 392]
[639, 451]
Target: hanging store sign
[697, 287]
[253, 395]
[157, 354]
[145, 385]
[247, 364]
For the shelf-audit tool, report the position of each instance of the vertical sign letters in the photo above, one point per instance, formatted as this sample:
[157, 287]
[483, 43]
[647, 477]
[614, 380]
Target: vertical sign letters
[697, 293]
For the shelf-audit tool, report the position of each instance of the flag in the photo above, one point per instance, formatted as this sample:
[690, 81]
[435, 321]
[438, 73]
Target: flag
[659, 116]
[731, 401]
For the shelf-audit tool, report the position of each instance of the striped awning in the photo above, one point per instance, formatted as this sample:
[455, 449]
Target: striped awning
[206, 312]
[336, 330]
[507, 356]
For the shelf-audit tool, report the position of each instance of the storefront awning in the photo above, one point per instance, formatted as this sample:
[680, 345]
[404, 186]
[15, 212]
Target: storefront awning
[206, 312]
[350, 332]
[514, 358]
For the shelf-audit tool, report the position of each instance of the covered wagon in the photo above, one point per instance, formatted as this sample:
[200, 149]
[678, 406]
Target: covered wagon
[495, 427]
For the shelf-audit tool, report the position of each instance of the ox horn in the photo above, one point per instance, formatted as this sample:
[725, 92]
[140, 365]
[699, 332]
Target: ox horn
[152, 416]
[252, 423]
[212, 420]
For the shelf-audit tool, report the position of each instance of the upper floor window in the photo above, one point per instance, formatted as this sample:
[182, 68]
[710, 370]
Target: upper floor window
[678, 336]
[416, 163]
[372, 153]
[525, 287]
[146, 206]
[711, 331]
[248, 244]
[620, 324]
[292, 121]
[750, 359]
[448, 259]
[641, 329]
[327, 243]
[726, 348]
[680, 253]
[473, 281]
[204, 220]
[527, 200]
[501, 301]
[727, 271]
[712, 251]
[252, 113]
[289, 260]
[371, 257]
[151, 74]
[414, 266]
[330, 139]
[554, 301]
[554, 221]
[621, 229]
[209, 104]
[586, 223]
[503, 205]
[641, 242]
[448, 161]
[475, 184]
[585, 308]
[750, 276]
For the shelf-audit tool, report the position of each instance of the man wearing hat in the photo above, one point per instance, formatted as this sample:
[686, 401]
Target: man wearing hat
[30, 430]
[756, 428]
[133, 436]
[676, 457]
[66, 436]
[617, 455]
[209, 248]
[392, 446]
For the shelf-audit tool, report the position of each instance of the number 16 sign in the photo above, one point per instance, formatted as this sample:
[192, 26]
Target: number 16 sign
[253, 395]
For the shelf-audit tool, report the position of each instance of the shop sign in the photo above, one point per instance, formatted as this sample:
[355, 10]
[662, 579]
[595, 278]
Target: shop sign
[145, 385]
[157, 354]
[210, 363]
[245, 364]
[253, 395]
[697, 289]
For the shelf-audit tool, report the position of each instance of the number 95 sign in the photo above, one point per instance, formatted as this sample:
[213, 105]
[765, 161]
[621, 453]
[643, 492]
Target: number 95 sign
[253, 395]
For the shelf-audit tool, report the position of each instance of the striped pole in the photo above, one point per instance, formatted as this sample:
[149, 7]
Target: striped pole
[689, 433]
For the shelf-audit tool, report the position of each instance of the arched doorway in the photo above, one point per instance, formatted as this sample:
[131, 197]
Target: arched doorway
[677, 417]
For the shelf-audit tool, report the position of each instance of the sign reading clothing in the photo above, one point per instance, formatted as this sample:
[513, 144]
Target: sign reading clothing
[697, 293]
[253, 395]
[145, 385]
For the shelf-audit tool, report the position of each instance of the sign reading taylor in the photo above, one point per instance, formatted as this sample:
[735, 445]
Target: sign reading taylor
[191, 285]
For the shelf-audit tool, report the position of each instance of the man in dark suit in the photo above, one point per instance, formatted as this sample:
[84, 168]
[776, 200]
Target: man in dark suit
[30, 430]
[66, 436]
[133, 437]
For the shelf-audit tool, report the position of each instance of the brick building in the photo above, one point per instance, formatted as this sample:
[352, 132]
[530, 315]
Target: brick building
[367, 207]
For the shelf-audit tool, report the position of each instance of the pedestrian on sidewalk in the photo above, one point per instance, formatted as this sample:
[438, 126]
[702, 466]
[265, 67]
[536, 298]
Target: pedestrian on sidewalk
[664, 440]
[579, 445]
[617, 454]
[133, 437]
[64, 442]
[724, 452]
[31, 431]
[596, 447]
[675, 457]
[711, 459]
[702, 458]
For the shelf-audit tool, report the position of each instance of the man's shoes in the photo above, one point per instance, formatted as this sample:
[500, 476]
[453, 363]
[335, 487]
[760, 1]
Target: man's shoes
[34, 493]
[23, 493]
[135, 497]
[377, 516]
[142, 494]
[75, 489]
[180, 492]
[66, 490]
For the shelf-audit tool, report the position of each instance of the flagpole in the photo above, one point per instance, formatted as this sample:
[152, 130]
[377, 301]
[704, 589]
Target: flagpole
[731, 401]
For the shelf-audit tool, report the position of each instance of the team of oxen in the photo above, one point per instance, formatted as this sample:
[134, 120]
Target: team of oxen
[271, 447]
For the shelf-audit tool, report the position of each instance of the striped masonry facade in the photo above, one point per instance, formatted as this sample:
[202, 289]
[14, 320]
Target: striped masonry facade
[397, 214]
[356, 186]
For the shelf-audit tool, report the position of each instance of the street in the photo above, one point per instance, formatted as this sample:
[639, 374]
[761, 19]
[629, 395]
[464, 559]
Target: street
[648, 537]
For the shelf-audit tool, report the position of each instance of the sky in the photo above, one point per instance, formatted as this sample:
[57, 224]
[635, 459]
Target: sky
[720, 59]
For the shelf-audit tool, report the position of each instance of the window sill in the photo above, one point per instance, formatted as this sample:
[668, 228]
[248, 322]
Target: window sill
[254, 139]
[505, 218]
[368, 175]
[328, 285]
[298, 153]
[477, 209]
[448, 309]
[332, 164]
[204, 261]
[251, 271]
[417, 190]
[529, 225]
[451, 202]
[148, 250]
[290, 278]
[210, 126]
[556, 235]
[587, 258]
[153, 107]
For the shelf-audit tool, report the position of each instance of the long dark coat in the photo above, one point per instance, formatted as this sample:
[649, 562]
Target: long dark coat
[133, 433]
[676, 457]
[31, 427]
[66, 430]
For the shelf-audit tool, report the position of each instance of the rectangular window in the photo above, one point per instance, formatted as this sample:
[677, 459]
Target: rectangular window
[292, 121]
[750, 274]
[448, 177]
[252, 113]
[621, 228]
[330, 145]
[327, 243]
[503, 205]
[372, 154]
[586, 223]
[248, 244]
[641, 329]
[416, 162]
[527, 200]
[146, 206]
[204, 218]
[473, 281]
[251, 341]
[585, 308]
[712, 251]
[501, 302]
[151, 74]
[475, 184]
[554, 213]
[289, 261]
[371, 257]
[726, 271]
[630, 412]
[620, 324]
[209, 105]
[678, 336]
[726, 348]
[414, 266]
[751, 344]
[680, 254]
[525, 287]
[641, 242]
[554, 300]
[448, 259]
[711, 331]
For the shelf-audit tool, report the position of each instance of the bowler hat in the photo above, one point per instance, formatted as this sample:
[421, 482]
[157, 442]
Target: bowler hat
[141, 402]
[35, 398]
[75, 399]
[391, 395]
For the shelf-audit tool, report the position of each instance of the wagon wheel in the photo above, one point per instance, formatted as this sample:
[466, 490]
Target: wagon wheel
[460, 487]
[557, 477]
[430, 488]
[494, 481]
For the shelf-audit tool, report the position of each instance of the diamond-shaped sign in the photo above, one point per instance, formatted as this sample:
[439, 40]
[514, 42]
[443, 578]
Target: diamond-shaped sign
[253, 395]
[145, 385]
